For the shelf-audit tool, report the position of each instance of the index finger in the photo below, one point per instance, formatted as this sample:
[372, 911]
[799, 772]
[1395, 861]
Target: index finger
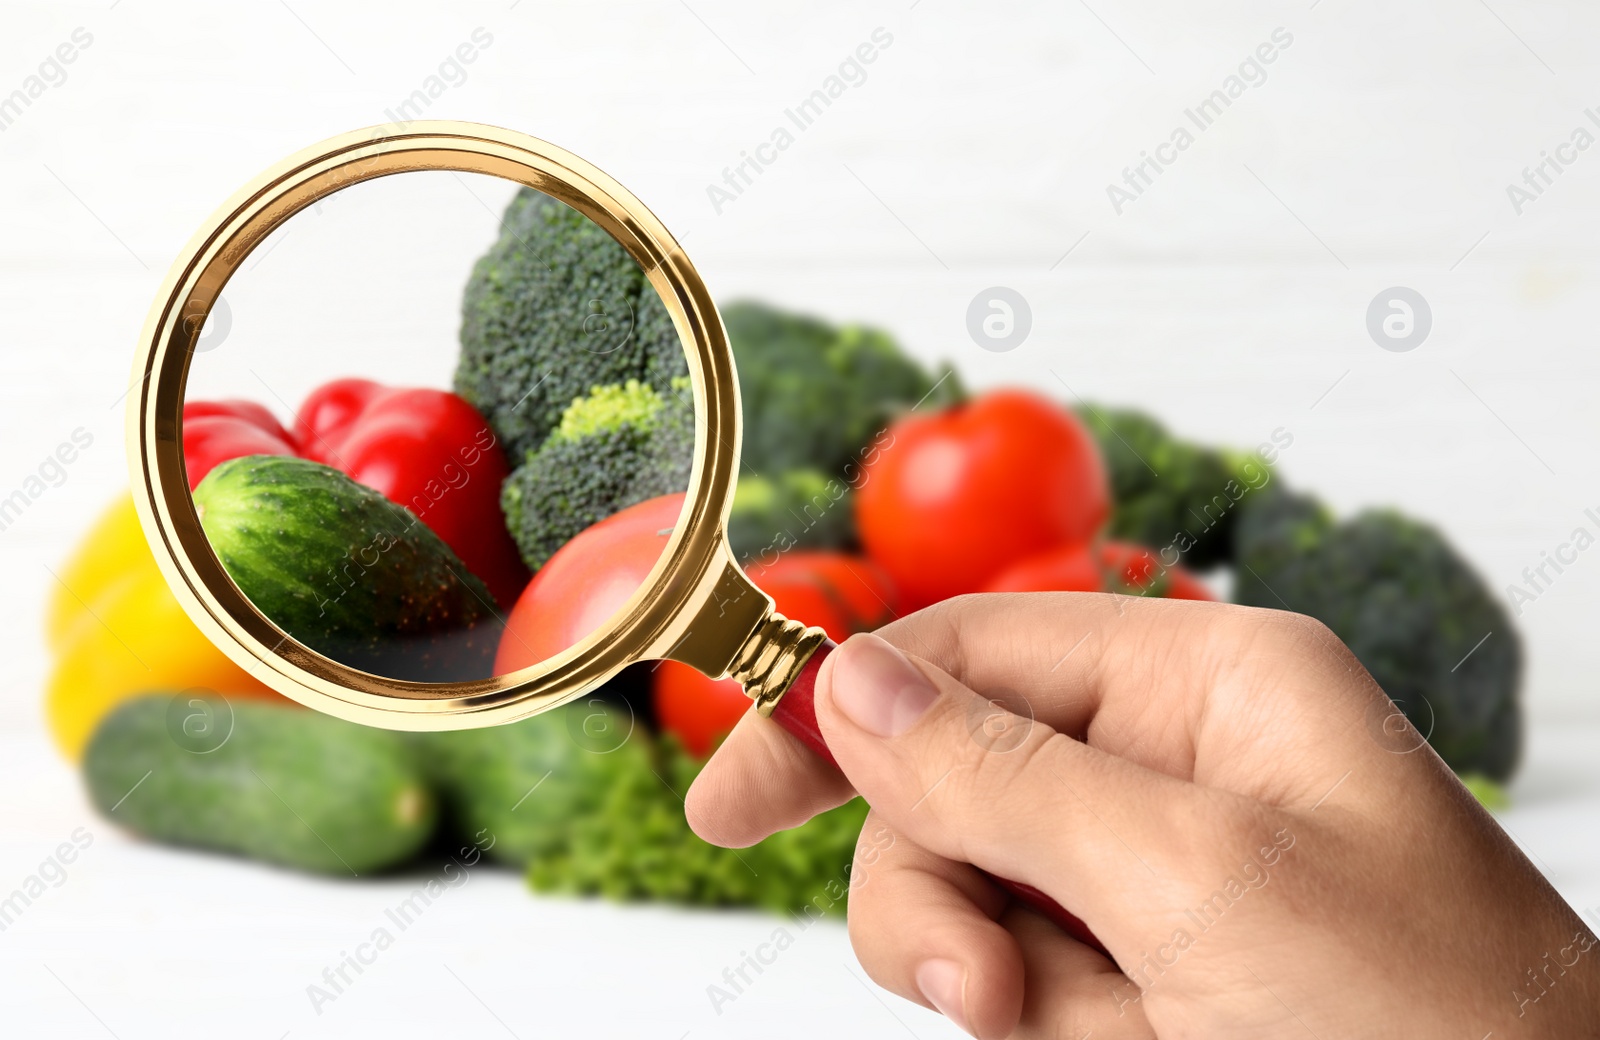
[1185, 688]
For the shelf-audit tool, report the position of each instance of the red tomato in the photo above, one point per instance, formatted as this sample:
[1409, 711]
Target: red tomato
[1138, 571]
[215, 437]
[1107, 567]
[1071, 568]
[955, 497]
[583, 584]
[839, 594]
[854, 586]
[327, 414]
[697, 710]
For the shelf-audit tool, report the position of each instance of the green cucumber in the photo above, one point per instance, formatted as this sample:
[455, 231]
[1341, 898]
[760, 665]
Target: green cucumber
[527, 783]
[345, 571]
[269, 781]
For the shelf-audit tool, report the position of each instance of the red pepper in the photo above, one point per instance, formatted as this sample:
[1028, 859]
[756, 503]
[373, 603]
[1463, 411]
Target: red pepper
[328, 413]
[427, 450]
[215, 431]
[251, 412]
[431, 452]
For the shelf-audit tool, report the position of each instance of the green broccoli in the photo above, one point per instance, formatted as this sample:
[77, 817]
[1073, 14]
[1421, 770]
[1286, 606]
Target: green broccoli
[554, 308]
[1411, 609]
[1170, 492]
[798, 509]
[616, 447]
[815, 396]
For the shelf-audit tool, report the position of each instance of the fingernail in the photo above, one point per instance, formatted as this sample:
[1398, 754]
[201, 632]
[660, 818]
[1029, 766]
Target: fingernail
[944, 983]
[879, 689]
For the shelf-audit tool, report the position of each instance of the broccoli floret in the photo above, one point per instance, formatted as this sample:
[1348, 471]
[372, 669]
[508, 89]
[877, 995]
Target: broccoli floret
[1412, 610]
[799, 509]
[611, 449]
[1170, 492]
[554, 308]
[815, 396]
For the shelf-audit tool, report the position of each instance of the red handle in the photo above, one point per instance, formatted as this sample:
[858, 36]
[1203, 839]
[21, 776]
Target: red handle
[796, 711]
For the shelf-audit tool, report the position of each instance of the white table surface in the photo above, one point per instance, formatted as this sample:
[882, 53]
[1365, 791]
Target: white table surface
[164, 943]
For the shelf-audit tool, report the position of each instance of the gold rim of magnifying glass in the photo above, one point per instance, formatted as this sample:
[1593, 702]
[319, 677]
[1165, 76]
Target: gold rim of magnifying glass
[695, 605]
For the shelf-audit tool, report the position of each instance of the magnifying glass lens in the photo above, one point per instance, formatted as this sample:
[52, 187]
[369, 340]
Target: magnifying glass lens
[438, 427]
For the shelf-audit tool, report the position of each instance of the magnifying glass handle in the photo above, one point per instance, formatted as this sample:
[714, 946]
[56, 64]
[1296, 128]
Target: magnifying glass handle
[796, 712]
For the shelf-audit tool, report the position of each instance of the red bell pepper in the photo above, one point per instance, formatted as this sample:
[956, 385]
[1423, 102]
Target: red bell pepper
[431, 452]
[328, 413]
[215, 431]
[427, 450]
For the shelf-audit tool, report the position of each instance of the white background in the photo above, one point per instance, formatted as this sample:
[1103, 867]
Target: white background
[1230, 299]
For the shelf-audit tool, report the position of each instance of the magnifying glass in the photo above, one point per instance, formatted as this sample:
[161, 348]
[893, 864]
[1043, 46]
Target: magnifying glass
[384, 550]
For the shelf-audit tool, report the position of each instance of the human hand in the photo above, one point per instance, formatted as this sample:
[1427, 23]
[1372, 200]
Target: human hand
[1222, 794]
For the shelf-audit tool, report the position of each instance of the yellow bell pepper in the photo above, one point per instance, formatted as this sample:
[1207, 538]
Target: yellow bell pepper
[116, 631]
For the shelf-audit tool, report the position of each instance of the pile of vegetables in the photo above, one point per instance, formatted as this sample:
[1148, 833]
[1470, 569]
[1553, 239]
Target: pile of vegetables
[432, 535]
[599, 813]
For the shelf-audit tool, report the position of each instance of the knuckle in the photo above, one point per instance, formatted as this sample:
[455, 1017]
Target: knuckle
[1292, 630]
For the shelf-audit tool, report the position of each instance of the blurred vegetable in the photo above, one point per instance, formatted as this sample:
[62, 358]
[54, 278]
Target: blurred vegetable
[637, 845]
[1137, 571]
[1066, 568]
[815, 396]
[526, 783]
[853, 585]
[1168, 491]
[949, 500]
[585, 582]
[797, 509]
[616, 447]
[115, 631]
[839, 594]
[697, 710]
[347, 572]
[267, 781]
[554, 309]
[587, 801]
[1411, 609]
[1490, 795]
[1131, 570]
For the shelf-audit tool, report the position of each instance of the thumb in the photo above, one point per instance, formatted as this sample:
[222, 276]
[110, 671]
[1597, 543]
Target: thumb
[964, 777]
